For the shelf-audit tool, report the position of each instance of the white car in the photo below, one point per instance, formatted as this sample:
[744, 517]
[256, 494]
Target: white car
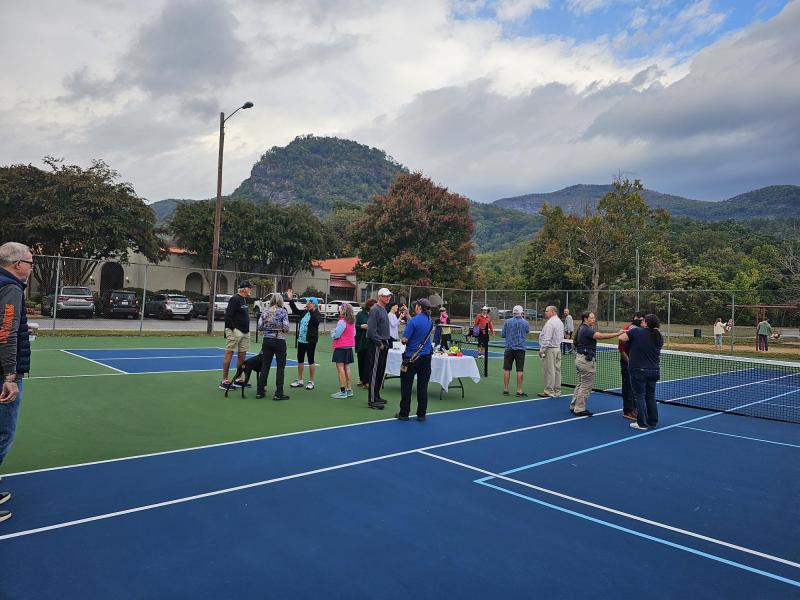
[331, 309]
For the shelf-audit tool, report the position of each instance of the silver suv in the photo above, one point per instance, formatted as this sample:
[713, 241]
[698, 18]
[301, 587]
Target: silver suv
[73, 300]
[166, 306]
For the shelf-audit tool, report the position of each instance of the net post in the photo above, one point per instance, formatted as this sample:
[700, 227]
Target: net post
[471, 303]
[733, 321]
[669, 317]
[144, 301]
[55, 293]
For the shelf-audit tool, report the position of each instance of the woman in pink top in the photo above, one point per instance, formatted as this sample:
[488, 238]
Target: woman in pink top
[344, 340]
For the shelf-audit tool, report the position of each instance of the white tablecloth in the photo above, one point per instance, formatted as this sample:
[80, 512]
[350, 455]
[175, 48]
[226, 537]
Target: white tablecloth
[443, 368]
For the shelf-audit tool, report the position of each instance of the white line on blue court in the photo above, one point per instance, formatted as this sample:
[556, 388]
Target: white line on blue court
[608, 509]
[652, 538]
[743, 437]
[95, 362]
[633, 437]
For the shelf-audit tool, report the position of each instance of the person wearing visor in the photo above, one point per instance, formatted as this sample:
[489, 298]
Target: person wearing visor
[307, 338]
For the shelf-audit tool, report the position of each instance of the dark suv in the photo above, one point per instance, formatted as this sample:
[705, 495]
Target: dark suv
[112, 303]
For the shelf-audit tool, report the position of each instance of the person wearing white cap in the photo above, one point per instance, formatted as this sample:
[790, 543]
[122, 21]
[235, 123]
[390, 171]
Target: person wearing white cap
[378, 348]
[514, 331]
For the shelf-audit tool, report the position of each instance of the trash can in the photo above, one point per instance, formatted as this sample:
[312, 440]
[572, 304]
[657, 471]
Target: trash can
[698, 333]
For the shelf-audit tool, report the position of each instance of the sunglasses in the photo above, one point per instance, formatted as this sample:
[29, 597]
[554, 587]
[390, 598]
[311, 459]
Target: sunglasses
[30, 262]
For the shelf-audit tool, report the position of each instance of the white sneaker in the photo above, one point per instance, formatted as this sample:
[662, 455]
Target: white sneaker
[635, 425]
[310, 385]
[296, 383]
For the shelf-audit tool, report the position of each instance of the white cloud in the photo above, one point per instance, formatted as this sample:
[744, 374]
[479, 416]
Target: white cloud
[482, 112]
[585, 7]
[513, 10]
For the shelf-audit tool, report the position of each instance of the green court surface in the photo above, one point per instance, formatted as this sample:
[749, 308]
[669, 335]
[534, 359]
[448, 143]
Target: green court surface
[76, 411]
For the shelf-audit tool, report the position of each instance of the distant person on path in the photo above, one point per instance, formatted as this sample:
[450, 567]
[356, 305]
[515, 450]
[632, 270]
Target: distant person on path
[628, 401]
[645, 353]
[485, 327]
[378, 345]
[16, 265]
[550, 340]
[307, 338]
[362, 319]
[569, 329]
[417, 360]
[237, 331]
[515, 331]
[343, 341]
[763, 331]
[274, 324]
[586, 348]
[719, 331]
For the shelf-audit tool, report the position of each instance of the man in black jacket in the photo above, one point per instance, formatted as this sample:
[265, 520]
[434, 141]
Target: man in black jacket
[16, 264]
[237, 331]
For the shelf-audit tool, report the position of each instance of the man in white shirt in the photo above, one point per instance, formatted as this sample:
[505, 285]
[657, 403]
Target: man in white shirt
[550, 352]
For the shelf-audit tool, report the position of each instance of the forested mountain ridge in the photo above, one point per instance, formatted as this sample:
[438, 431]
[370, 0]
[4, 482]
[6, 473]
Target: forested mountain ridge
[776, 201]
[318, 171]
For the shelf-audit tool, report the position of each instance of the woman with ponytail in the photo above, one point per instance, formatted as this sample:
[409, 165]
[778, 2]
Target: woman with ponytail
[645, 344]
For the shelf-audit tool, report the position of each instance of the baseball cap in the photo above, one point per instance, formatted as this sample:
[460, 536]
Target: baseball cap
[517, 310]
[384, 292]
[313, 300]
[423, 302]
[245, 284]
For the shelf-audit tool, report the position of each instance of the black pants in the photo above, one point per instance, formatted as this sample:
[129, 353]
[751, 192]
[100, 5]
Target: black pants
[272, 347]
[628, 401]
[377, 368]
[421, 367]
[363, 365]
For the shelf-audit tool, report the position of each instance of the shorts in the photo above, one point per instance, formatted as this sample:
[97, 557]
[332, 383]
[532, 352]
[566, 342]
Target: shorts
[343, 355]
[306, 349]
[514, 356]
[236, 341]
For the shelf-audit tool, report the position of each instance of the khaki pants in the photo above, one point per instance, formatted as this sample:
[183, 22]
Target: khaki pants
[585, 370]
[551, 365]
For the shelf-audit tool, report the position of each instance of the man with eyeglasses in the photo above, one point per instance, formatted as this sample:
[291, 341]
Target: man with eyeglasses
[16, 264]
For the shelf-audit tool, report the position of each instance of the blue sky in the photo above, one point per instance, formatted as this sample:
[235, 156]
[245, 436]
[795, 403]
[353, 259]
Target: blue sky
[639, 28]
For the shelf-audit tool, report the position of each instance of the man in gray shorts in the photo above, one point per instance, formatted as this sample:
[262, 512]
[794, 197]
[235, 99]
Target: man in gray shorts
[237, 332]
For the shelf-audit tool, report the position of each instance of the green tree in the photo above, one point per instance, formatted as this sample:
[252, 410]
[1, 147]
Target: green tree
[71, 211]
[417, 233]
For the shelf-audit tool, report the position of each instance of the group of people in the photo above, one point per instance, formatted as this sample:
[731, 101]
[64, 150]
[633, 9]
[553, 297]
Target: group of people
[639, 346]
[367, 337]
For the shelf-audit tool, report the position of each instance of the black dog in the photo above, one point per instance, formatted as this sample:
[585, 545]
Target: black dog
[254, 363]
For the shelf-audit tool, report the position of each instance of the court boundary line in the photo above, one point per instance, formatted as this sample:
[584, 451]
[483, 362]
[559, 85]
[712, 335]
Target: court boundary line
[651, 538]
[611, 510]
[282, 478]
[744, 437]
[273, 436]
[95, 362]
[638, 435]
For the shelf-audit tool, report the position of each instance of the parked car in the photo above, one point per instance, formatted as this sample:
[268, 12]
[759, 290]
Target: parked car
[112, 303]
[260, 304]
[166, 306]
[331, 309]
[220, 306]
[70, 300]
[505, 313]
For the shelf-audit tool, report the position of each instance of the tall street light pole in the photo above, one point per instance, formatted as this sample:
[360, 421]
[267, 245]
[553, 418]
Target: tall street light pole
[637, 280]
[218, 218]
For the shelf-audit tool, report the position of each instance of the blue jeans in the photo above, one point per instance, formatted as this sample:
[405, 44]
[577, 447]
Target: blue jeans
[8, 422]
[643, 382]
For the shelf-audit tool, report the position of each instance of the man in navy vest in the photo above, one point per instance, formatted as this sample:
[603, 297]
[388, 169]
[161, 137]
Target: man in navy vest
[16, 264]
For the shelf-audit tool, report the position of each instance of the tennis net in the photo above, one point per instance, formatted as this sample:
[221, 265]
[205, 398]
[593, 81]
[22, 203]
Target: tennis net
[754, 387]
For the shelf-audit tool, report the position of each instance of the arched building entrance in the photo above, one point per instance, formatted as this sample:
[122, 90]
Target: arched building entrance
[194, 283]
[112, 277]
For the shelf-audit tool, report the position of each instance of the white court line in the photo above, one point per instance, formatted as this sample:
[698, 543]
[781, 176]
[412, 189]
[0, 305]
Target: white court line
[733, 387]
[742, 437]
[171, 356]
[95, 362]
[143, 348]
[614, 511]
[274, 436]
[287, 478]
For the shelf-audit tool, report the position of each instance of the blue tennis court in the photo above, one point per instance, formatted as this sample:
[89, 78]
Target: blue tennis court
[159, 360]
[518, 500]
